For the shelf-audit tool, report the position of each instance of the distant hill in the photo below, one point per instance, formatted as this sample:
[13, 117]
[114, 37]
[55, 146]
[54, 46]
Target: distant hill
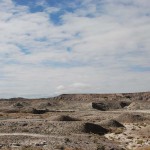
[92, 97]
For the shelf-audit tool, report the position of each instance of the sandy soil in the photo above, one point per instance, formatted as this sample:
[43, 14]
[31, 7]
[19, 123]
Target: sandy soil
[128, 138]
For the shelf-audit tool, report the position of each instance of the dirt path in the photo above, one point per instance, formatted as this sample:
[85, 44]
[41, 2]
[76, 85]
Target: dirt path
[132, 111]
[23, 134]
[125, 111]
[23, 120]
[30, 135]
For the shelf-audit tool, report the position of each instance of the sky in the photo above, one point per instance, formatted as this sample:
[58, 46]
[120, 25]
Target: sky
[50, 47]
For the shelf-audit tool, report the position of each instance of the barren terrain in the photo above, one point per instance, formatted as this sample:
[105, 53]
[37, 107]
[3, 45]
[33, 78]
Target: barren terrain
[76, 122]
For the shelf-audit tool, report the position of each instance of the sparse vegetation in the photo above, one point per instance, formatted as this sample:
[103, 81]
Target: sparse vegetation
[130, 137]
[68, 122]
[140, 142]
[119, 131]
[100, 147]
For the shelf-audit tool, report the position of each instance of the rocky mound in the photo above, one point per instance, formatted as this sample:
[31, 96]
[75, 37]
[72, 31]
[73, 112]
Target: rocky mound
[130, 118]
[110, 105]
[111, 123]
[139, 105]
[67, 128]
[94, 128]
[39, 111]
[20, 104]
[65, 118]
[133, 106]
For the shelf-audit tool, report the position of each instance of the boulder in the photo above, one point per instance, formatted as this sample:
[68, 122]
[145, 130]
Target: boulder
[94, 128]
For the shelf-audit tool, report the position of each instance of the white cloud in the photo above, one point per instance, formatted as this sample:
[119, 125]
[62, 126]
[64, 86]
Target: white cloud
[106, 43]
[80, 85]
[60, 87]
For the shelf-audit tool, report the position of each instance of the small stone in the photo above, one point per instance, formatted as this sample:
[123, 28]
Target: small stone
[15, 144]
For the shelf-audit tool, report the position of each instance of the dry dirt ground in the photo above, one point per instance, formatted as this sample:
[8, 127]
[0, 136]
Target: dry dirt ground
[76, 122]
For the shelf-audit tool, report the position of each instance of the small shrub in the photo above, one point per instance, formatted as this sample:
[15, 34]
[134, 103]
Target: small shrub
[118, 131]
[67, 140]
[25, 130]
[60, 147]
[101, 147]
[130, 137]
[140, 142]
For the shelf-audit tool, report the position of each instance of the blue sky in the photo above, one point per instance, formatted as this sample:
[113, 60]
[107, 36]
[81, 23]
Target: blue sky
[39, 6]
[50, 47]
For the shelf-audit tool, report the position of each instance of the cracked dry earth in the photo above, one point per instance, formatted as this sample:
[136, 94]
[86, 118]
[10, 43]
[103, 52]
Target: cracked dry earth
[72, 122]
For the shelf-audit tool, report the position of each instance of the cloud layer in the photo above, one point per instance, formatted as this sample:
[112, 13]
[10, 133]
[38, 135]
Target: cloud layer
[98, 46]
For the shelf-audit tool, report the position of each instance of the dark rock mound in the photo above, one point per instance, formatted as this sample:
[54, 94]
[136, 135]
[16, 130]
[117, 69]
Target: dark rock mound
[112, 123]
[100, 106]
[39, 111]
[124, 104]
[94, 128]
[109, 105]
[65, 118]
[130, 118]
